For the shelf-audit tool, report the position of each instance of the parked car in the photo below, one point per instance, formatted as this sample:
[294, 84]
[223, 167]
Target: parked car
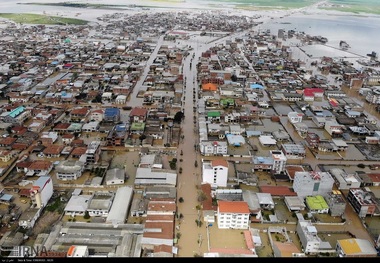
[374, 166]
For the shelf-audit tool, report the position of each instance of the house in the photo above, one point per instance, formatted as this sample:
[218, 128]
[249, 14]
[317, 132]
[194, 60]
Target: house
[61, 128]
[215, 172]
[293, 151]
[138, 114]
[78, 151]
[68, 138]
[294, 203]
[111, 115]
[79, 114]
[97, 115]
[344, 180]
[213, 116]
[75, 127]
[334, 128]
[317, 204]
[233, 215]
[53, 151]
[92, 126]
[36, 126]
[48, 138]
[6, 156]
[39, 168]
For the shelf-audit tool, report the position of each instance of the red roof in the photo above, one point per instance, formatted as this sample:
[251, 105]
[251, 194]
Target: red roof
[219, 162]
[375, 177]
[311, 91]
[239, 207]
[277, 190]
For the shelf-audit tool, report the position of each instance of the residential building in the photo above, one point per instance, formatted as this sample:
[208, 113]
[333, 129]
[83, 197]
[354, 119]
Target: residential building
[334, 128]
[317, 204]
[138, 114]
[293, 151]
[279, 161]
[93, 152]
[215, 173]
[209, 148]
[362, 201]
[312, 183]
[344, 180]
[233, 215]
[111, 115]
[336, 203]
[308, 236]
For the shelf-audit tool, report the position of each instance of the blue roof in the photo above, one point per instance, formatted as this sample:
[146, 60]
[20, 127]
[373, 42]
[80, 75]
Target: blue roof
[111, 112]
[256, 86]
[121, 127]
[6, 197]
[14, 113]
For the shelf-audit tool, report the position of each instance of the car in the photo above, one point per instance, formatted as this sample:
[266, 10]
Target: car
[23, 201]
[374, 166]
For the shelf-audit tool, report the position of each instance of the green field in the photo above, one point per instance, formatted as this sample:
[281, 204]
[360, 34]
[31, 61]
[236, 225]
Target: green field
[356, 6]
[42, 19]
[270, 3]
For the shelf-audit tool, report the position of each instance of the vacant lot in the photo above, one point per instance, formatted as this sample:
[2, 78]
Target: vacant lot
[41, 19]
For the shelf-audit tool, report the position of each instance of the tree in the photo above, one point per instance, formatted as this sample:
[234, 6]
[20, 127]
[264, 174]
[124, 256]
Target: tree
[141, 138]
[86, 215]
[180, 200]
[178, 117]
[234, 78]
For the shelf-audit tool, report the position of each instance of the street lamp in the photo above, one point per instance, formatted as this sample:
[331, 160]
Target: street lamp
[170, 125]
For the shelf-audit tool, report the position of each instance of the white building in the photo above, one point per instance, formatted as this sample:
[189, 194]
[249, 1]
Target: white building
[115, 176]
[343, 180]
[295, 117]
[215, 173]
[312, 183]
[233, 214]
[77, 205]
[208, 148]
[279, 161]
[76, 251]
[307, 234]
[69, 170]
[120, 206]
[42, 191]
[92, 126]
[100, 203]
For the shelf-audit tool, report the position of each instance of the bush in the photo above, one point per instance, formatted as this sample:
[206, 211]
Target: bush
[361, 165]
